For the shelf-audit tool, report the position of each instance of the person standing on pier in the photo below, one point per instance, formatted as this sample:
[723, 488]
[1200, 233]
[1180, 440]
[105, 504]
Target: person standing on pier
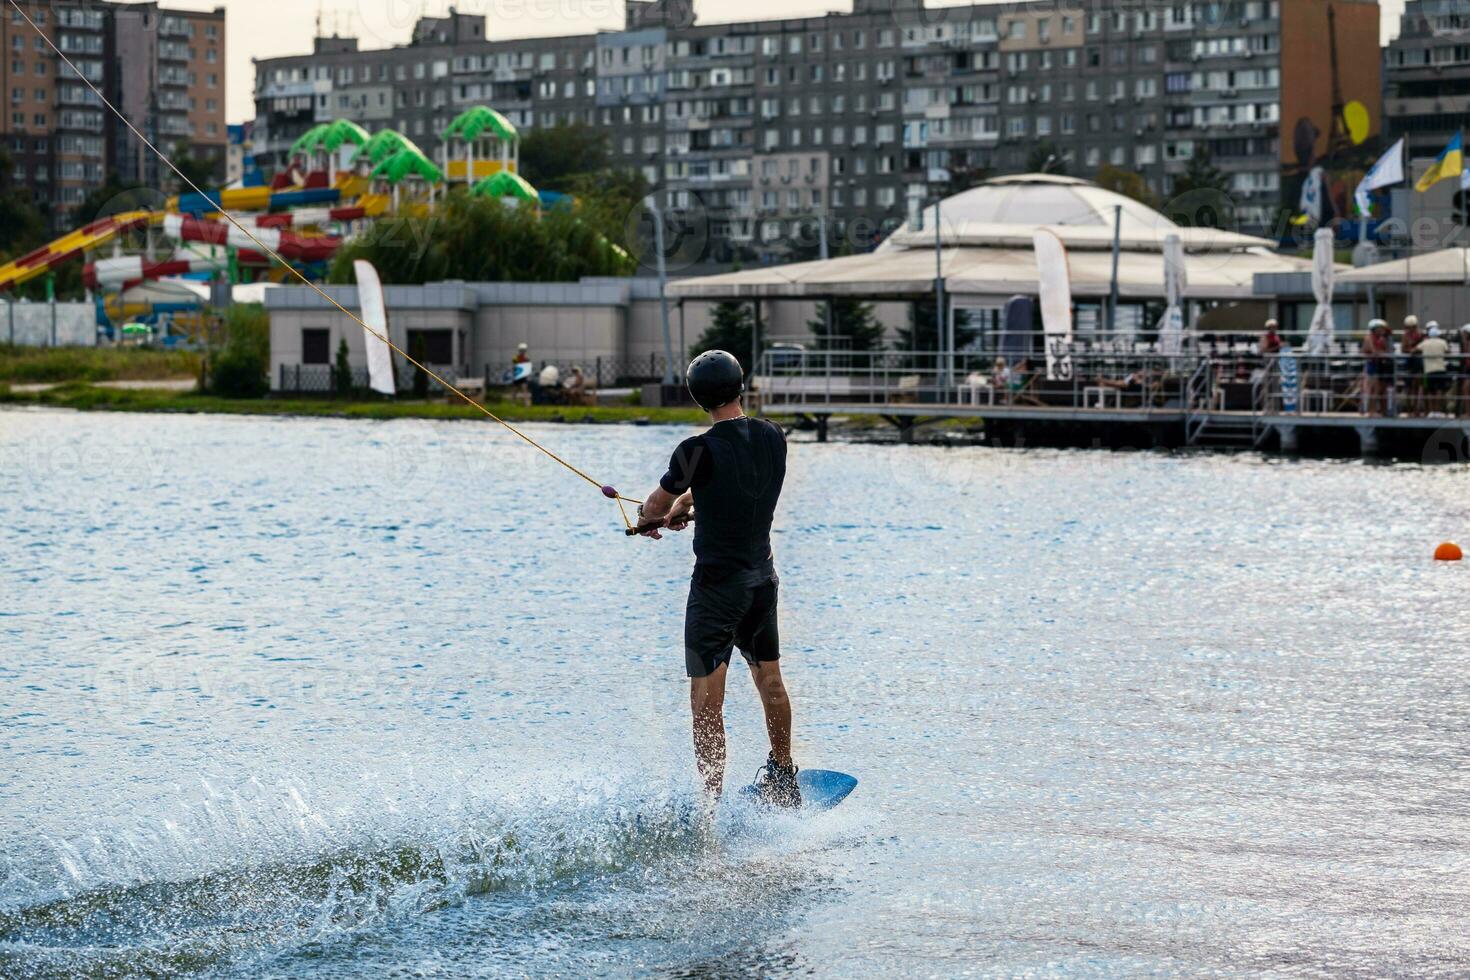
[1413, 365]
[1432, 353]
[1463, 391]
[1271, 340]
[1377, 358]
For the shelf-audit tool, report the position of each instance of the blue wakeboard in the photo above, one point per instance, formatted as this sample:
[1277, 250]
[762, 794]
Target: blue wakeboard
[821, 789]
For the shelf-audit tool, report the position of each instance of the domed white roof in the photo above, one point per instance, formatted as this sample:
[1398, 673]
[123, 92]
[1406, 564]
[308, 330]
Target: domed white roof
[1008, 211]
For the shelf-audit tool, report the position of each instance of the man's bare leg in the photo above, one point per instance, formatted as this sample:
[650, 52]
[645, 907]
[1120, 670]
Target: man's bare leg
[707, 705]
[768, 683]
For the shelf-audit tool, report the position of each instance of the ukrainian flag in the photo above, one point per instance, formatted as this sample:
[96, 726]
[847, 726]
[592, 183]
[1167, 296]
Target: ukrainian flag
[1451, 163]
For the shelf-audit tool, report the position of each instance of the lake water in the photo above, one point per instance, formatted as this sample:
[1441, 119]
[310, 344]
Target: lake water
[324, 698]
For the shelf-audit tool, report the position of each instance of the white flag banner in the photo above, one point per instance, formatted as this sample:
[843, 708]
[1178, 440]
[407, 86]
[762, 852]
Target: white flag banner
[375, 315]
[1054, 278]
[1171, 324]
[1319, 334]
[1314, 195]
[1389, 170]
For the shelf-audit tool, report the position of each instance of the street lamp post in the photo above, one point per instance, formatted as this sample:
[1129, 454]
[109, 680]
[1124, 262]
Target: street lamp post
[663, 281]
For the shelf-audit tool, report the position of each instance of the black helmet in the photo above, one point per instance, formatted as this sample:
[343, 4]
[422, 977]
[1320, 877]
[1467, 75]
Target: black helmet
[715, 378]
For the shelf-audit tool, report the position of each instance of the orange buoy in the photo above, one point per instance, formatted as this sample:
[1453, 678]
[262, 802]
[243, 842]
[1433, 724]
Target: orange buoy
[1448, 551]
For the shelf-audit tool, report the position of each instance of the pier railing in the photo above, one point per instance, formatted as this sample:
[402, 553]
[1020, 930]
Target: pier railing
[1195, 386]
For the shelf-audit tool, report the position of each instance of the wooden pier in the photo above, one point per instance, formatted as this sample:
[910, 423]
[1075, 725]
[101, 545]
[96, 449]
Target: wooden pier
[1177, 405]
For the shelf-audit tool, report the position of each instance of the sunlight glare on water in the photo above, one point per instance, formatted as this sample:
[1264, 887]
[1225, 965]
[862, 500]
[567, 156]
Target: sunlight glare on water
[324, 698]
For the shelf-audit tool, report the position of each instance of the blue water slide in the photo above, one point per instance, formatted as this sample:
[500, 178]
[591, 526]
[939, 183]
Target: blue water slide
[199, 203]
[300, 199]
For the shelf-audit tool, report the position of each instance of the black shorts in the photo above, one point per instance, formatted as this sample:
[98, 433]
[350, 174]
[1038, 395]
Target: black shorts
[1437, 381]
[737, 609]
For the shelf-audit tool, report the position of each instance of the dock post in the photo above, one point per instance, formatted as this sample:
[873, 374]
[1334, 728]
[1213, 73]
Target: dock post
[906, 431]
[1367, 440]
[822, 427]
[1286, 433]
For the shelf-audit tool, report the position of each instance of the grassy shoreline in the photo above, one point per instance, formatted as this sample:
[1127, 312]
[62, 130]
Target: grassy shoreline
[45, 365]
[89, 398]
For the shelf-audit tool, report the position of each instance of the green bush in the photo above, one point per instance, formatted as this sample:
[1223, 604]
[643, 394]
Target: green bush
[342, 376]
[239, 368]
[420, 377]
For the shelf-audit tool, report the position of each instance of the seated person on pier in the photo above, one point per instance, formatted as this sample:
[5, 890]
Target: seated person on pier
[1136, 382]
[1015, 381]
[546, 389]
[576, 390]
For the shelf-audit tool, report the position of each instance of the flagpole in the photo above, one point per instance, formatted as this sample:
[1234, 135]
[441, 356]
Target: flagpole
[1410, 190]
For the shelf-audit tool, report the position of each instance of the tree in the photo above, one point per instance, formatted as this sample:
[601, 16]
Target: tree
[201, 170]
[1200, 173]
[238, 369]
[480, 239]
[553, 156]
[1046, 158]
[115, 196]
[342, 376]
[854, 327]
[419, 353]
[1125, 182]
[1201, 196]
[962, 176]
[921, 336]
[731, 325]
[22, 226]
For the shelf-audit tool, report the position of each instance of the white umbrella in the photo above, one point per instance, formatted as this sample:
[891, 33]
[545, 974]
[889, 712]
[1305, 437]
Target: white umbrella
[1171, 324]
[1319, 335]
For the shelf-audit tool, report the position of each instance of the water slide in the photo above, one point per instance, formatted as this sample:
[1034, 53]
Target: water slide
[286, 221]
[287, 218]
[88, 238]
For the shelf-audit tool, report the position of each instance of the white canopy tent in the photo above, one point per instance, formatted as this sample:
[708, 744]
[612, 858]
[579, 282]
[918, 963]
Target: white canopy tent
[974, 270]
[1434, 286]
[1446, 266]
[985, 239]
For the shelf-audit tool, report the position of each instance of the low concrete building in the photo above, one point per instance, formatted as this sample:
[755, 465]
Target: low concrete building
[613, 328]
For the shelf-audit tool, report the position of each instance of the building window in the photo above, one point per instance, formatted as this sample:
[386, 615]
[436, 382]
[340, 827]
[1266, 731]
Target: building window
[438, 345]
[316, 345]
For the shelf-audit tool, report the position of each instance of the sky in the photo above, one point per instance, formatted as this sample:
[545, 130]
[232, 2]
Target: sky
[271, 28]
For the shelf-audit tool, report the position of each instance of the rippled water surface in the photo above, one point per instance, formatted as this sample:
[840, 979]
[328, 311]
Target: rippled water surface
[287, 697]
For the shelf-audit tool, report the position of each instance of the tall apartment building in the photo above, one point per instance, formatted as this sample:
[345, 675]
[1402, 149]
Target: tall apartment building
[1426, 80]
[767, 125]
[165, 70]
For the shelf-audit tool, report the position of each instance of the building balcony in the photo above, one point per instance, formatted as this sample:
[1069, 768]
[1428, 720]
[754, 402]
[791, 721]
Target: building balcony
[1427, 106]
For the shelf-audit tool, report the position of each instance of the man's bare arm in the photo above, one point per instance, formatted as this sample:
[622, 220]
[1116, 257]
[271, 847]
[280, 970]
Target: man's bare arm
[662, 506]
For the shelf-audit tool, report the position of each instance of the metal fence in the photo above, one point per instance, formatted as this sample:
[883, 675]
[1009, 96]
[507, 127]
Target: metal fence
[611, 372]
[321, 379]
[1232, 381]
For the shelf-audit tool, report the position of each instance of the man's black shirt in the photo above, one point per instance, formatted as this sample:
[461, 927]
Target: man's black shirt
[735, 471]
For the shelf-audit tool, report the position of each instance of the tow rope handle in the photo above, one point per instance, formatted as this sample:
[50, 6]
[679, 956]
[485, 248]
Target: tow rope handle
[650, 526]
